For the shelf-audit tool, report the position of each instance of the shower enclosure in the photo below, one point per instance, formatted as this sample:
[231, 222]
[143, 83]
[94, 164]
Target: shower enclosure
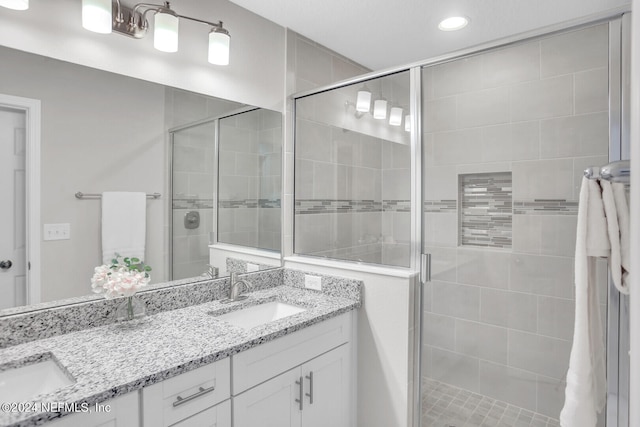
[225, 186]
[483, 174]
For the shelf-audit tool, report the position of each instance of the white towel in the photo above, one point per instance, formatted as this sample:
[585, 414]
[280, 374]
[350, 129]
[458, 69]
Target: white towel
[123, 225]
[586, 381]
[613, 230]
[622, 216]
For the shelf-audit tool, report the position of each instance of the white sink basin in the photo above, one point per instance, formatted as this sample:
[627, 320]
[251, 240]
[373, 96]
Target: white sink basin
[22, 384]
[260, 314]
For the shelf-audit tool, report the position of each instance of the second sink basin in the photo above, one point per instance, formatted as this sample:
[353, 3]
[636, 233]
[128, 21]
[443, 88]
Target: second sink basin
[260, 314]
[23, 383]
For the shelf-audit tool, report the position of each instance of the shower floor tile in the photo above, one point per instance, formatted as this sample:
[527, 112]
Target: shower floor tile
[447, 406]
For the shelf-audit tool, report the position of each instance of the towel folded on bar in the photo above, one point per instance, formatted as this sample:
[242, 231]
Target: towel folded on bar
[586, 378]
[617, 213]
[123, 225]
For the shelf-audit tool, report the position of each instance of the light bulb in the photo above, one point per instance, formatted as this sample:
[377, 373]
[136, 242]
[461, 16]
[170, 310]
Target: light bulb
[380, 109]
[165, 33]
[15, 4]
[219, 40]
[363, 101]
[96, 16]
[395, 116]
[407, 123]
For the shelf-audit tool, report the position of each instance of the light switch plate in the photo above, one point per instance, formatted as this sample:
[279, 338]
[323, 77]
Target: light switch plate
[313, 282]
[57, 231]
[252, 267]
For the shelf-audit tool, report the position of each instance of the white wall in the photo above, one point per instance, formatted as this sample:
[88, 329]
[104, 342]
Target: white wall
[89, 152]
[254, 75]
[384, 346]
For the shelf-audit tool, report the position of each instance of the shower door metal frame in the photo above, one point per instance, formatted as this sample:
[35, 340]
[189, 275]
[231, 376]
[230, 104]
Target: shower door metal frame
[618, 337]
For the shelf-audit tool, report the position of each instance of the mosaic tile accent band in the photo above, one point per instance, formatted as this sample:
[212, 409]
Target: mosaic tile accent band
[325, 206]
[440, 206]
[192, 203]
[486, 209]
[249, 203]
[545, 207]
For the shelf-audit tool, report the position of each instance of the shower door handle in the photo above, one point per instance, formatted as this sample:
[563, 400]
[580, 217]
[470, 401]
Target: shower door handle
[425, 268]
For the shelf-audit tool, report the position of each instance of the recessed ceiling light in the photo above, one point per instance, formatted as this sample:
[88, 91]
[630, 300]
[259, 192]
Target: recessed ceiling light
[453, 23]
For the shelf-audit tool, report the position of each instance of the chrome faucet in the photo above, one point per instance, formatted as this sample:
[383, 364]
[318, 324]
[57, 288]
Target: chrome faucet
[212, 272]
[234, 293]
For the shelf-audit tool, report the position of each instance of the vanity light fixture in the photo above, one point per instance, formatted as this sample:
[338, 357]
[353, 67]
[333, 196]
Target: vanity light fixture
[395, 116]
[363, 101]
[453, 23]
[407, 123]
[15, 4]
[165, 30]
[96, 16]
[103, 16]
[380, 109]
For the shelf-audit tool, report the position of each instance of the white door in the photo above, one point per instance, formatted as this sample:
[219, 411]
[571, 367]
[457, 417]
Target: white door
[327, 393]
[271, 404]
[13, 278]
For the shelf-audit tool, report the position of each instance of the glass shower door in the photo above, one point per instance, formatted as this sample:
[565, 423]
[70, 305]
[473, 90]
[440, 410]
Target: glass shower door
[192, 182]
[506, 136]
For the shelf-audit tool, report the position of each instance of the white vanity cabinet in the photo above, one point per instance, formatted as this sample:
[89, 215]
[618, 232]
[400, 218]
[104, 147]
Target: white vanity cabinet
[315, 394]
[198, 398]
[121, 411]
[300, 380]
[304, 379]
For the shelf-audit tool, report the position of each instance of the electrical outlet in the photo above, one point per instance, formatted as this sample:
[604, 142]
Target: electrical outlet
[57, 231]
[252, 267]
[313, 282]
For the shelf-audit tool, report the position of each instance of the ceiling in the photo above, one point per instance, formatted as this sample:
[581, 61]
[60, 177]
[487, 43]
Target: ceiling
[385, 33]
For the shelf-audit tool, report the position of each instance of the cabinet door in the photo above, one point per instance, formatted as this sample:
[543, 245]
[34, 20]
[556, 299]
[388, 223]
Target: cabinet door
[119, 412]
[218, 416]
[327, 380]
[271, 404]
[175, 399]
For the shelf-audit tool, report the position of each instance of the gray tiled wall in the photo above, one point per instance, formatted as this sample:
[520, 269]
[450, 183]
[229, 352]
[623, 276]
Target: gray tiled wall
[352, 177]
[250, 179]
[499, 321]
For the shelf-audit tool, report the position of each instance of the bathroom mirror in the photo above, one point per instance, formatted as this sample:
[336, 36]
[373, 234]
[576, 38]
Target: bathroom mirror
[102, 131]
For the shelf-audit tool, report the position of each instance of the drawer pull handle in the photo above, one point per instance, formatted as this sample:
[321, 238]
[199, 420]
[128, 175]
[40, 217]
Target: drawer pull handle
[201, 392]
[310, 394]
[301, 393]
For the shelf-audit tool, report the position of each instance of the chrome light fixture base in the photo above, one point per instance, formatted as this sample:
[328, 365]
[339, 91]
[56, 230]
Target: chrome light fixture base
[125, 22]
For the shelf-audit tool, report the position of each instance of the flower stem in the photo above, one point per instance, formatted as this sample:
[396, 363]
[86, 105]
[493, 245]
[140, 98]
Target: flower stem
[129, 308]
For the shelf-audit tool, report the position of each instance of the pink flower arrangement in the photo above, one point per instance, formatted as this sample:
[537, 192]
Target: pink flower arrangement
[122, 278]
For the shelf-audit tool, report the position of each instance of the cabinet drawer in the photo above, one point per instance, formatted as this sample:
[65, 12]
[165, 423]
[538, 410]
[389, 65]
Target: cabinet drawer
[218, 416]
[180, 397]
[268, 360]
[121, 411]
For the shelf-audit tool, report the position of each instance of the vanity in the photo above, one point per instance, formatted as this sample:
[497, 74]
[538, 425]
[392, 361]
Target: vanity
[281, 357]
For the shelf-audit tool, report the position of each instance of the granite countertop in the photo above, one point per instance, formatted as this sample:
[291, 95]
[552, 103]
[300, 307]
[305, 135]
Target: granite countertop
[115, 359]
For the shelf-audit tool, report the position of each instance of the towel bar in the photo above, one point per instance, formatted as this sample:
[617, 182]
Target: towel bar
[81, 195]
[619, 171]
